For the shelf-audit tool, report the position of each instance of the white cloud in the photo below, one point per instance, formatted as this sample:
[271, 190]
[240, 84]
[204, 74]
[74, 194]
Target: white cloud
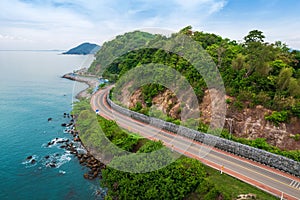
[213, 5]
[61, 23]
[216, 6]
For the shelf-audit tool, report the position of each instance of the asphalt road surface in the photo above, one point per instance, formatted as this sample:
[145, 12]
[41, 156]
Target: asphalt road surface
[266, 178]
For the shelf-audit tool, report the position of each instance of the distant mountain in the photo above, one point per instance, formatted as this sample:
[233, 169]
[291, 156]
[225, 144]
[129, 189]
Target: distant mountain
[84, 48]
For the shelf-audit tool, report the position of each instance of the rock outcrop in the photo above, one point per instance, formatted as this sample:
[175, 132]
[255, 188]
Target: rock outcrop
[250, 123]
[247, 123]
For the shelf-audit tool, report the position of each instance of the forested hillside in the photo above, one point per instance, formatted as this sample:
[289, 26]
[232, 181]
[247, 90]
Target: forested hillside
[255, 72]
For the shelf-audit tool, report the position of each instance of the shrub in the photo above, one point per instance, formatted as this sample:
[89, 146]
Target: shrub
[228, 101]
[239, 105]
[102, 85]
[277, 117]
[297, 137]
[90, 90]
[262, 98]
[296, 110]
[137, 107]
[244, 95]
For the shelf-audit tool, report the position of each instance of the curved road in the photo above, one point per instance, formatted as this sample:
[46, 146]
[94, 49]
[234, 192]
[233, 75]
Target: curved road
[266, 178]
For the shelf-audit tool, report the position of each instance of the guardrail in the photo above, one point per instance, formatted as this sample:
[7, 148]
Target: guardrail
[258, 155]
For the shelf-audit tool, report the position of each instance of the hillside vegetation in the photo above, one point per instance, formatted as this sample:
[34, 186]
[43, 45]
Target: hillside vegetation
[254, 73]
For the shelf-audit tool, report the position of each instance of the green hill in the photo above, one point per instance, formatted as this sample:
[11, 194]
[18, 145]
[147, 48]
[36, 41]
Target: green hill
[113, 49]
[262, 73]
[84, 49]
[258, 76]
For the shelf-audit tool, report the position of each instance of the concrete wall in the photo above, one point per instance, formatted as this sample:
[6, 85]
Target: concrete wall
[258, 155]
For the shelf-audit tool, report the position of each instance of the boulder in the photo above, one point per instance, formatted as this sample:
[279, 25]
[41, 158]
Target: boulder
[77, 139]
[86, 176]
[95, 174]
[52, 165]
[29, 157]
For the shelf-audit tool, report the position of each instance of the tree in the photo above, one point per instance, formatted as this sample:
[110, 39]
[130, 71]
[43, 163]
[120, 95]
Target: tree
[276, 66]
[282, 46]
[187, 30]
[206, 39]
[284, 78]
[218, 53]
[239, 62]
[254, 36]
[296, 55]
[259, 54]
[258, 57]
[283, 53]
[294, 87]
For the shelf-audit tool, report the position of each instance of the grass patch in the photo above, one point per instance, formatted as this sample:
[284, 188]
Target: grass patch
[232, 187]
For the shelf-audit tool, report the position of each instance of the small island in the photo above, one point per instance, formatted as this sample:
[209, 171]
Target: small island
[84, 49]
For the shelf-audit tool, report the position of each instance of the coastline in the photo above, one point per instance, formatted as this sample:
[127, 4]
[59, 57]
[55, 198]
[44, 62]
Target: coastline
[89, 159]
[29, 100]
[92, 82]
[85, 158]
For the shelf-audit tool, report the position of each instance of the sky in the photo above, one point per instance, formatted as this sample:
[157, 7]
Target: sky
[63, 24]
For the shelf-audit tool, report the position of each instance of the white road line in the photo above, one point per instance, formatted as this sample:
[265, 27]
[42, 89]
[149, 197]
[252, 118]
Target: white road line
[294, 184]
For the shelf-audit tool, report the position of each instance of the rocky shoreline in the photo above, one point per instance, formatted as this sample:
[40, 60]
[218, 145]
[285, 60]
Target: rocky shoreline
[73, 146]
[85, 158]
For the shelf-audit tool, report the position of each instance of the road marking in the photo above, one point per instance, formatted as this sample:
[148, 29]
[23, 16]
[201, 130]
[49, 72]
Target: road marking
[298, 184]
[294, 183]
[196, 148]
[244, 160]
[219, 158]
[224, 160]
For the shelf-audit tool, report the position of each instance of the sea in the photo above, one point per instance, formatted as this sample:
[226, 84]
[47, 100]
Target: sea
[31, 91]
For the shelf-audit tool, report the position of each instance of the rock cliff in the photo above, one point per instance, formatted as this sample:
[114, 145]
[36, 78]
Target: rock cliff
[247, 123]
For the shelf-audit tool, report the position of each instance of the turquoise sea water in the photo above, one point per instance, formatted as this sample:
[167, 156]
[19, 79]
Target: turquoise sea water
[31, 91]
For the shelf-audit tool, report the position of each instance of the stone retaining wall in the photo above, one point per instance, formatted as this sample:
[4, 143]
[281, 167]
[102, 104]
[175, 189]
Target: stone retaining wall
[258, 155]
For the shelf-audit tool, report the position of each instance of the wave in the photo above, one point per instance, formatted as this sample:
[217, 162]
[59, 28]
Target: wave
[31, 162]
[56, 160]
[56, 142]
[80, 148]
